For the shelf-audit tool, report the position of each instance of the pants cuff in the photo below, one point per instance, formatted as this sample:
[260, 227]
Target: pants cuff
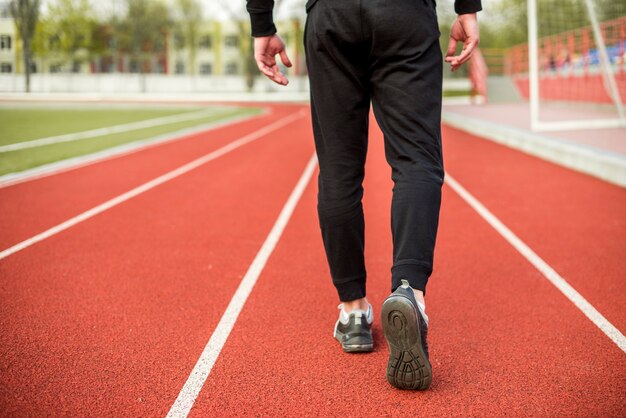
[352, 290]
[416, 274]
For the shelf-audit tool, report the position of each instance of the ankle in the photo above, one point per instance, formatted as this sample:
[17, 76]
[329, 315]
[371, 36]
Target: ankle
[357, 304]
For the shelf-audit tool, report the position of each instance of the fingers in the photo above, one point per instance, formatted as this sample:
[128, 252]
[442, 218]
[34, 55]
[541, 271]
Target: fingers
[272, 72]
[467, 51]
[285, 59]
[464, 56]
[451, 47]
[267, 71]
[278, 77]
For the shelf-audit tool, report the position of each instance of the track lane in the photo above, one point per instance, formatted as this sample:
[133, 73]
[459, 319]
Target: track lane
[109, 317]
[504, 341]
[577, 371]
[575, 222]
[149, 185]
[34, 206]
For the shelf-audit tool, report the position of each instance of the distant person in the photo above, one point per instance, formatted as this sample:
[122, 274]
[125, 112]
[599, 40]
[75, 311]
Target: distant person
[387, 53]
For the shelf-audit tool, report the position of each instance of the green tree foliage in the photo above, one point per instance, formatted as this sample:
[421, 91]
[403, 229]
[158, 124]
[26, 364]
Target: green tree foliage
[26, 14]
[69, 32]
[142, 33]
[186, 32]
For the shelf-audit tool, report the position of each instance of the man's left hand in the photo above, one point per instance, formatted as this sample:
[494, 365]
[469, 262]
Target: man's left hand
[464, 29]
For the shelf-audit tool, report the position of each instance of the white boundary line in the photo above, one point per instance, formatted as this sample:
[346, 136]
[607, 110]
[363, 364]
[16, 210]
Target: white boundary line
[11, 179]
[549, 273]
[108, 130]
[188, 394]
[152, 184]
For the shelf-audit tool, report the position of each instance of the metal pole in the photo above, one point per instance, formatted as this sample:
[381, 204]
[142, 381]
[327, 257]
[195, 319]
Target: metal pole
[533, 65]
[604, 59]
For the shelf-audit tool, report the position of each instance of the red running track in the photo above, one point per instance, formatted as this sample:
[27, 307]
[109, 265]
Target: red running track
[110, 316]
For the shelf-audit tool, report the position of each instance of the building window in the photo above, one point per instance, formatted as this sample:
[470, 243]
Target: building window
[206, 69]
[5, 41]
[231, 69]
[56, 68]
[76, 67]
[231, 41]
[6, 67]
[205, 42]
[180, 67]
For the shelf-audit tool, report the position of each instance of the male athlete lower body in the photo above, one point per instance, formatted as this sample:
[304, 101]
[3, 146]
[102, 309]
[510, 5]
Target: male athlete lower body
[387, 54]
[384, 54]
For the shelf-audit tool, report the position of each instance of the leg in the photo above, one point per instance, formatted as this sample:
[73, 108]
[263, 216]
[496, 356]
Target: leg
[406, 77]
[336, 60]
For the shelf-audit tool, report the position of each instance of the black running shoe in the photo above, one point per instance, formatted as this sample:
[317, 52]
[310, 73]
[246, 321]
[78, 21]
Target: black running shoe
[406, 327]
[354, 330]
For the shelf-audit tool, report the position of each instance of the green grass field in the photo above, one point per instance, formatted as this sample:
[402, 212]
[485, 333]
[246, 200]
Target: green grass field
[456, 93]
[23, 124]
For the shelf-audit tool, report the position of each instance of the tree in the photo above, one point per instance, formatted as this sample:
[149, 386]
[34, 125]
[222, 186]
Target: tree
[70, 29]
[26, 14]
[187, 28]
[143, 31]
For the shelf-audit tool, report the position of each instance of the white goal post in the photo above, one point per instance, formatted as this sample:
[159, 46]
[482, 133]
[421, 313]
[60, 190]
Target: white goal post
[605, 67]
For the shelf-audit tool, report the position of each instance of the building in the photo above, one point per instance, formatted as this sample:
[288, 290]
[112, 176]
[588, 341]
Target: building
[223, 49]
[8, 44]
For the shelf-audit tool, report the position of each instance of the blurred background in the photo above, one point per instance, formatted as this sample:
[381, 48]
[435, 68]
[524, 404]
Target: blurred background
[201, 46]
[204, 45]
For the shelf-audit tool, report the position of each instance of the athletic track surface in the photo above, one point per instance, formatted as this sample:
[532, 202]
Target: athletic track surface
[109, 316]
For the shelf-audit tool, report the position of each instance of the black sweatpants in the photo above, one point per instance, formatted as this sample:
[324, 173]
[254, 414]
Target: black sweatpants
[387, 53]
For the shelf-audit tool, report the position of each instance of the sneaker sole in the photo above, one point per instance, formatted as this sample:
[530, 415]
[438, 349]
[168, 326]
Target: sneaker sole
[408, 367]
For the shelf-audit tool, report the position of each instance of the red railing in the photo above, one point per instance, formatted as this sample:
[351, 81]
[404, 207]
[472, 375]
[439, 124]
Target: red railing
[569, 64]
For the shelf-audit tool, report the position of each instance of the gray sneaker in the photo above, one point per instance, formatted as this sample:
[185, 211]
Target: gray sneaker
[354, 330]
[406, 328]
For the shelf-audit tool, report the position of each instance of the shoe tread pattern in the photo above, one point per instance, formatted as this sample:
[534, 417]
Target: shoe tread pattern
[408, 366]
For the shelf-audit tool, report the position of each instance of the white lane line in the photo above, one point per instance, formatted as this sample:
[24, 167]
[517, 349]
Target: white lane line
[188, 394]
[559, 282]
[73, 163]
[152, 184]
[93, 133]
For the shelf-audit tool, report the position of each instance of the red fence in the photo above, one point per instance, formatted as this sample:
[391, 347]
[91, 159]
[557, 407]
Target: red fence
[569, 64]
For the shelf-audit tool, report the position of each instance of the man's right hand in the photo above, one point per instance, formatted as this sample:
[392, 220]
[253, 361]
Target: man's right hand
[265, 50]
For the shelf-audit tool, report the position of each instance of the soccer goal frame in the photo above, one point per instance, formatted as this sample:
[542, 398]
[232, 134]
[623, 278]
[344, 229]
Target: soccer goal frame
[536, 123]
